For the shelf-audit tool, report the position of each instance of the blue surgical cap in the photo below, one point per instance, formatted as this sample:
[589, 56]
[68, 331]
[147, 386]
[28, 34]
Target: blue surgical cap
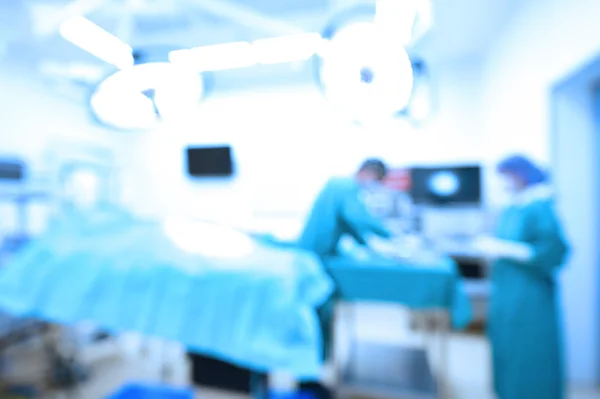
[524, 169]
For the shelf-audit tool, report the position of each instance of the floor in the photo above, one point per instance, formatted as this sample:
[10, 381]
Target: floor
[467, 358]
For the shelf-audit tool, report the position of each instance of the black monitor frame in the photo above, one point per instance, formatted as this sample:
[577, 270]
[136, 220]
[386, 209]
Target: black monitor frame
[217, 162]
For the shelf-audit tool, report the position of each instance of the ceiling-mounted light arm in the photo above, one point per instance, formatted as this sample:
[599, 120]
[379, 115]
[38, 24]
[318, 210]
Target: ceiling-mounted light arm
[422, 102]
[277, 50]
[423, 21]
[246, 16]
[96, 41]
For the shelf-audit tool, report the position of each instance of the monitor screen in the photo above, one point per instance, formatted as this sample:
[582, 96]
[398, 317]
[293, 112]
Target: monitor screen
[12, 170]
[446, 185]
[209, 161]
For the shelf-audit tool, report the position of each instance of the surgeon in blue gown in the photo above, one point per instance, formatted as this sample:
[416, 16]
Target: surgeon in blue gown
[337, 211]
[528, 249]
[340, 210]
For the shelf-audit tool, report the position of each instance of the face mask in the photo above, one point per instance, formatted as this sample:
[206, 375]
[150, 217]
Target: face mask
[369, 184]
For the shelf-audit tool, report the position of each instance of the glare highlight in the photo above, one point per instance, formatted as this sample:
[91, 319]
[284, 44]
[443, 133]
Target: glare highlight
[208, 239]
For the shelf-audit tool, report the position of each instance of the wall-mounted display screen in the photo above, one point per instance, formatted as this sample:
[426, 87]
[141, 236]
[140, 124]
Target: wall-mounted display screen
[12, 170]
[446, 185]
[215, 161]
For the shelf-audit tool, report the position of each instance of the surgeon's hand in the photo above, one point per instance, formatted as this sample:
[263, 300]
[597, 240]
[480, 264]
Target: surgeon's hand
[490, 247]
[382, 246]
[395, 248]
[495, 248]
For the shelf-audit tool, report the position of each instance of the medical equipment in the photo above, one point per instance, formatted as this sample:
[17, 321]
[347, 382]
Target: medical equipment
[12, 170]
[446, 186]
[64, 159]
[209, 161]
[365, 71]
[423, 284]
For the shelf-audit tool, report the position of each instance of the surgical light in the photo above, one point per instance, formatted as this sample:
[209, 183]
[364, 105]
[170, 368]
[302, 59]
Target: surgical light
[120, 101]
[124, 110]
[96, 41]
[364, 74]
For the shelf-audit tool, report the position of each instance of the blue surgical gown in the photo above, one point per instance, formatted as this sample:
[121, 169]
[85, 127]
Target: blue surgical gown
[337, 211]
[524, 321]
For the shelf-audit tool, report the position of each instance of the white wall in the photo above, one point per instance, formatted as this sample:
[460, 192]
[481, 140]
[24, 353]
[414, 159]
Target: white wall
[33, 117]
[546, 41]
[288, 141]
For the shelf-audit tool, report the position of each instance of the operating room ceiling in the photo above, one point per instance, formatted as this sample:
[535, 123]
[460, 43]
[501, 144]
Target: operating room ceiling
[461, 27]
